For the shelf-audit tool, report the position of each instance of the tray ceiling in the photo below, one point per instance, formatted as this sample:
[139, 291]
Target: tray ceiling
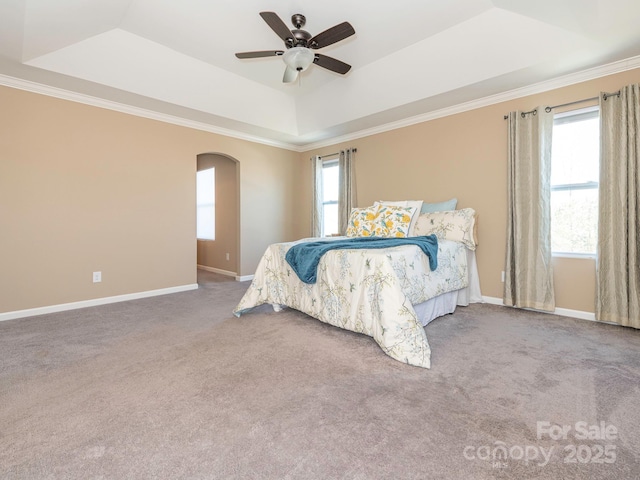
[177, 58]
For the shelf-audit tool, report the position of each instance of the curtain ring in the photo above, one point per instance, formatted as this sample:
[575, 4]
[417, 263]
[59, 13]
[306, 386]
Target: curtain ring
[547, 109]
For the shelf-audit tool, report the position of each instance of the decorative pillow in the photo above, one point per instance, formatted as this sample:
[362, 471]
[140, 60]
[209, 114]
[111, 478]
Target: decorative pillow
[364, 222]
[417, 204]
[395, 221]
[439, 207]
[458, 225]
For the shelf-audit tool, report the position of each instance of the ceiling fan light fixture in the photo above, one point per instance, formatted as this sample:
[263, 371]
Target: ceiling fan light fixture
[298, 58]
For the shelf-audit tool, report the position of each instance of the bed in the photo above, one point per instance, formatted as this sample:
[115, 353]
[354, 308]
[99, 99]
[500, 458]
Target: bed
[389, 294]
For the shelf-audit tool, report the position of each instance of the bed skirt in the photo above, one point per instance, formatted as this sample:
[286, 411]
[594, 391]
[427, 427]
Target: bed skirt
[447, 302]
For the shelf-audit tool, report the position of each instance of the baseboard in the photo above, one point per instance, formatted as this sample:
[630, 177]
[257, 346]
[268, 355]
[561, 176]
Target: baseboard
[217, 270]
[239, 278]
[30, 312]
[564, 312]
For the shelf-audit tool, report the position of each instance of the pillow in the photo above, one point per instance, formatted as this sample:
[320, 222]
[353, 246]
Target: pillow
[417, 204]
[458, 225]
[396, 221]
[363, 222]
[439, 207]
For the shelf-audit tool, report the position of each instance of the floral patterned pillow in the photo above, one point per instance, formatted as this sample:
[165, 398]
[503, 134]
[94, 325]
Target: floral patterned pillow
[404, 203]
[458, 225]
[395, 221]
[364, 222]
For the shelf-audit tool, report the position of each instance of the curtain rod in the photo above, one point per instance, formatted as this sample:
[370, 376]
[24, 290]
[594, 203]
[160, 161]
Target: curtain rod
[548, 109]
[337, 153]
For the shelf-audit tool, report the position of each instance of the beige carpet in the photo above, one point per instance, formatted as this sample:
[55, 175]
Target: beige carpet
[176, 387]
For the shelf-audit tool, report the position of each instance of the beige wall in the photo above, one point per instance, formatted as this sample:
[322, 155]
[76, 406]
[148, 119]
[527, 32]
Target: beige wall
[464, 156]
[213, 253]
[85, 189]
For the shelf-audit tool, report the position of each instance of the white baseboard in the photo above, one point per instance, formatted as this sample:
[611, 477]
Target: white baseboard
[239, 278]
[564, 312]
[30, 312]
[217, 270]
[492, 300]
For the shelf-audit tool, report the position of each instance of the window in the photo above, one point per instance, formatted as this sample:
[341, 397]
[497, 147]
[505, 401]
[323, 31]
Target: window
[330, 188]
[574, 182]
[206, 204]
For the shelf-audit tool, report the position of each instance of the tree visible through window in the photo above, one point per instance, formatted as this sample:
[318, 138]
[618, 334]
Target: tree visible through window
[574, 182]
[206, 204]
[330, 189]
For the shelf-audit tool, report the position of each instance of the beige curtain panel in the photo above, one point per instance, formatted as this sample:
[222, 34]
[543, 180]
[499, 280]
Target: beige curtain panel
[618, 260]
[347, 189]
[528, 272]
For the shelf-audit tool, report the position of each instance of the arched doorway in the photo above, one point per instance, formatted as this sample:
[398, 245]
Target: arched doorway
[222, 254]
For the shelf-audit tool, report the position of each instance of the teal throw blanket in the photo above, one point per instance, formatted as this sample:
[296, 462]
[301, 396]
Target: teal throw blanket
[304, 257]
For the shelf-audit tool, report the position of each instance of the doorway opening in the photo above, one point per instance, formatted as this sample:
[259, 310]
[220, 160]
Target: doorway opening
[218, 253]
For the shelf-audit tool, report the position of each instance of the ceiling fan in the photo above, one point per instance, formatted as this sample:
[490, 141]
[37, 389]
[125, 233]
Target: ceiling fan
[300, 45]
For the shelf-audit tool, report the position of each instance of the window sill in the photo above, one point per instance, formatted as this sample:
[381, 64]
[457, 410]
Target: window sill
[587, 256]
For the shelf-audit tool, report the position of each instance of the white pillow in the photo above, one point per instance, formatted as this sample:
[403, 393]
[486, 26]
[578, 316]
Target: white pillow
[458, 225]
[417, 204]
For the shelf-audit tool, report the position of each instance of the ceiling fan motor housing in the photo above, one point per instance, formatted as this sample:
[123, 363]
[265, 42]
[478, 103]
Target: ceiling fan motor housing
[300, 37]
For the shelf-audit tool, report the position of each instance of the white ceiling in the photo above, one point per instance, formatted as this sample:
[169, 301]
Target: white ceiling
[409, 57]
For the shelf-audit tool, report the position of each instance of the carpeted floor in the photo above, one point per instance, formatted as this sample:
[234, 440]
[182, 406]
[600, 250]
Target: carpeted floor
[176, 387]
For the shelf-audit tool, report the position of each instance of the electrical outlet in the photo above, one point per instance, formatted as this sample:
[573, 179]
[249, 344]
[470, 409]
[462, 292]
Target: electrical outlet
[97, 277]
[502, 276]
[227, 257]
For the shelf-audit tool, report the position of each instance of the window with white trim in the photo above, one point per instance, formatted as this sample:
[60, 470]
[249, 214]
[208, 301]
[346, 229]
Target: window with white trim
[206, 204]
[330, 189]
[575, 169]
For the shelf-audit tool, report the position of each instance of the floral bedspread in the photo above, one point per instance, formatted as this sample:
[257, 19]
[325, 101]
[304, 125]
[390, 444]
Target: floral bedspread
[366, 291]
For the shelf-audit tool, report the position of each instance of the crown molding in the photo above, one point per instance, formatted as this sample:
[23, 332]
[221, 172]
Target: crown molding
[563, 81]
[541, 87]
[63, 94]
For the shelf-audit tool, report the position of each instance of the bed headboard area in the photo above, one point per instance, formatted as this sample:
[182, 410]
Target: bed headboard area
[411, 218]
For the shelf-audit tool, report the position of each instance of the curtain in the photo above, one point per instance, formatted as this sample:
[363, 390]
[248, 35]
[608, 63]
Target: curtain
[528, 271]
[347, 189]
[316, 212]
[618, 260]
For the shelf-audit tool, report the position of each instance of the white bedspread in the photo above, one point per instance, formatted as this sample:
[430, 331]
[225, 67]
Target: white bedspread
[367, 291]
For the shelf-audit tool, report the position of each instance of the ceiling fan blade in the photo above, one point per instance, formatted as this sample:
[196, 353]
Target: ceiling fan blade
[332, 64]
[290, 75]
[277, 25]
[332, 35]
[260, 54]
